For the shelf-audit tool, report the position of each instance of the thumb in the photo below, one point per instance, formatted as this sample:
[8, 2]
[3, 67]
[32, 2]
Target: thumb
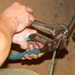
[20, 40]
[28, 32]
[23, 43]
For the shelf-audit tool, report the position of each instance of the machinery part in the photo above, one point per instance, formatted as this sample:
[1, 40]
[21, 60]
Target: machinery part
[51, 29]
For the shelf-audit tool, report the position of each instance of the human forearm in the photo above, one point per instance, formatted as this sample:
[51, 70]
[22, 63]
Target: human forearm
[6, 34]
[4, 47]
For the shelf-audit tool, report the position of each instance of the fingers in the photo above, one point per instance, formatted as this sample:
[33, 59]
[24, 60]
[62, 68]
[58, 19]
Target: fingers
[32, 46]
[23, 44]
[29, 13]
[30, 56]
[29, 10]
[20, 40]
[24, 20]
[31, 18]
[35, 46]
[26, 56]
[19, 16]
[39, 55]
[28, 32]
[16, 5]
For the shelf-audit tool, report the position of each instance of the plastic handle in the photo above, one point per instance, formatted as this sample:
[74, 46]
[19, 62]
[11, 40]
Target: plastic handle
[20, 55]
[28, 39]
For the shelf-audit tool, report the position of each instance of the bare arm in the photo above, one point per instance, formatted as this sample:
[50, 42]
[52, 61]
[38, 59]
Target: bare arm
[6, 34]
[14, 19]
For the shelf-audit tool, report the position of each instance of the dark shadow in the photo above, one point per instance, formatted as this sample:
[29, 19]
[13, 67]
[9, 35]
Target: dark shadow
[16, 47]
[61, 53]
[73, 37]
[5, 64]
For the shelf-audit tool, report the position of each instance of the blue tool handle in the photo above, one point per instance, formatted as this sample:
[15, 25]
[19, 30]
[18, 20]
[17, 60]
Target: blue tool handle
[20, 55]
[28, 39]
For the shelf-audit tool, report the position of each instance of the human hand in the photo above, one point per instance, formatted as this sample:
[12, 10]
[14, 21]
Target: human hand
[18, 16]
[14, 20]
[31, 46]
[20, 38]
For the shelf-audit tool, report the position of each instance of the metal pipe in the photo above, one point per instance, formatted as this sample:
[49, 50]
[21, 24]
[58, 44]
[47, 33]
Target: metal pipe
[70, 23]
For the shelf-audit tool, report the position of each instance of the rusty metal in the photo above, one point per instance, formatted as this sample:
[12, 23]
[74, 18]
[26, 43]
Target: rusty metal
[51, 29]
[54, 30]
[49, 44]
